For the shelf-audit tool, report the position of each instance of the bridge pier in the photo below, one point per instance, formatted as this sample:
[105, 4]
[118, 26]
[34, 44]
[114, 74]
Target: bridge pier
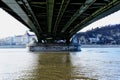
[53, 47]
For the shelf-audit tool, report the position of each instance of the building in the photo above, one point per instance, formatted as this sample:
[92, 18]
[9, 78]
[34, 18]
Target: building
[18, 40]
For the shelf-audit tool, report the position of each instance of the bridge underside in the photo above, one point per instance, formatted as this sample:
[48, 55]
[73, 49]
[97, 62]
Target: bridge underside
[53, 20]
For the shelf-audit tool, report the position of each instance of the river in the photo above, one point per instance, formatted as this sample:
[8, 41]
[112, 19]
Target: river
[89, 64]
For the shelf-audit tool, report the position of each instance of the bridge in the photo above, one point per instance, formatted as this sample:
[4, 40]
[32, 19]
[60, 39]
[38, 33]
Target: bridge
[54, 20]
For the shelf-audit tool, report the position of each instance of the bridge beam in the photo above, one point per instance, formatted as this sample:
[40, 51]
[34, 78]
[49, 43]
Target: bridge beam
[50, 7]
[60, 13]
[82, 9]
[102, 12]
[26, 4]
[13, 5]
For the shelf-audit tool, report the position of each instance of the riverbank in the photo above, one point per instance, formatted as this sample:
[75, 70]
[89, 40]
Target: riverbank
[100, 46]
[82, 46]
[13, 46]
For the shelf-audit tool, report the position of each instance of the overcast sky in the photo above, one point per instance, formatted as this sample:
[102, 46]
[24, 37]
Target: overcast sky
[108, 20]
[11, 27]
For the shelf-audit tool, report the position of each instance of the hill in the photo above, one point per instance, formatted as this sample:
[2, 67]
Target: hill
[109, 34]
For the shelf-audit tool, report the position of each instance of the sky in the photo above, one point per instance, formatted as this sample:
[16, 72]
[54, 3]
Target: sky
[111, 19]
[9, 26]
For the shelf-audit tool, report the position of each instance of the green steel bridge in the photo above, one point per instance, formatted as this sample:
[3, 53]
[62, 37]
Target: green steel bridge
[53, 20]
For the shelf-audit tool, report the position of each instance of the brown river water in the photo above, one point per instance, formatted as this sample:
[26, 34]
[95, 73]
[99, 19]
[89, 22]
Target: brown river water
[89, 64]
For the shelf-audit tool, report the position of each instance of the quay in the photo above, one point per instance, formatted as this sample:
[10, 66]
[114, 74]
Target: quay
[100, 46]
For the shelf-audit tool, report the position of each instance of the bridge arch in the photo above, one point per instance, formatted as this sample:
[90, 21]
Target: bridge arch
[54, 20]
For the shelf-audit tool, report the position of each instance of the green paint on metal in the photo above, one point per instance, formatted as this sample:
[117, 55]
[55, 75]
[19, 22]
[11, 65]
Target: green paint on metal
[50, 7]
[94, 15]
[32, 14]
[25, 13]
[83, 8]
[60, 13]
[21, 13]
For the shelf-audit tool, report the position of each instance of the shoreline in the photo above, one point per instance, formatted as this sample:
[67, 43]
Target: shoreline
[13, 46]
[82, 46]
[100, 46]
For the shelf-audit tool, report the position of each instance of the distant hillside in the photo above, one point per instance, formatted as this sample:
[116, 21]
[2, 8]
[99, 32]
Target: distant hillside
[105, 35]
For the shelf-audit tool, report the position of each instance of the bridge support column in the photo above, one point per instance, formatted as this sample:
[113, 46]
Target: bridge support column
[49, 47]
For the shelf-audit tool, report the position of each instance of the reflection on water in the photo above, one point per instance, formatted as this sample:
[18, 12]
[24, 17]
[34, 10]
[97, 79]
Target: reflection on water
[52, 66]
[90, 64]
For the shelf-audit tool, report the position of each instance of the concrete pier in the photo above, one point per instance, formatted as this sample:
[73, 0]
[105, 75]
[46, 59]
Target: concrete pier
[54, 48]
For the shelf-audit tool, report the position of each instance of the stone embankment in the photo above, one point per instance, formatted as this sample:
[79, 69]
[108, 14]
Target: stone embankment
[100, 46]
